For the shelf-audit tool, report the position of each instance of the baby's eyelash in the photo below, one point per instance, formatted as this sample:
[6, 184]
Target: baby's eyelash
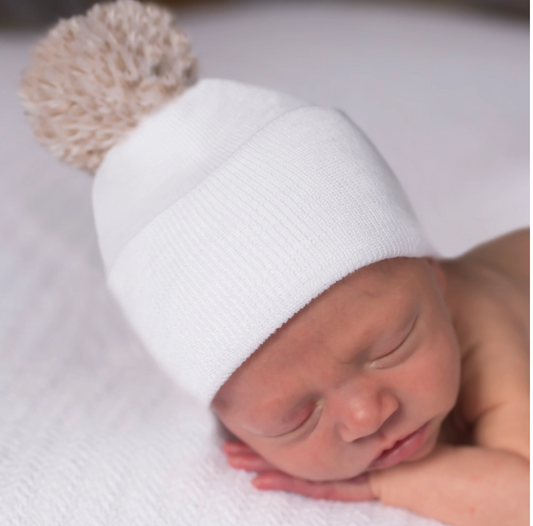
[401, 343]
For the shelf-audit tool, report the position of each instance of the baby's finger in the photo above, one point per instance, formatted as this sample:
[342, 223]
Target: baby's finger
[354, 490]
[232, 447]
[250, 462]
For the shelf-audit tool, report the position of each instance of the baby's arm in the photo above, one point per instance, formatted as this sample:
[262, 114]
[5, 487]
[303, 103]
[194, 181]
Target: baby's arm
[488, 297]
[463, 486]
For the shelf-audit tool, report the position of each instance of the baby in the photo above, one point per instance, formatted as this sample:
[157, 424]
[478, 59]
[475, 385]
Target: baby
[406, 381]
[269, 260]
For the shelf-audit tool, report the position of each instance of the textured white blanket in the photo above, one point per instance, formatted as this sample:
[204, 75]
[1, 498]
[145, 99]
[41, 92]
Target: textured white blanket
[91, 431]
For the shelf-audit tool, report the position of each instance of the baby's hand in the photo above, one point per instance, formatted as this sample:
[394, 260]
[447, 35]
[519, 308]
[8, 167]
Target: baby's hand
[242, 456]
[464, 486]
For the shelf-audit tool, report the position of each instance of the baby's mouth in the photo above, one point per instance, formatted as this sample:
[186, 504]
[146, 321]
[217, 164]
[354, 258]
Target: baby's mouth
[401, 450]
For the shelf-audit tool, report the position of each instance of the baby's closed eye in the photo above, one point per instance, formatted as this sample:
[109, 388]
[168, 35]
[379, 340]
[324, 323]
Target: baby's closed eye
[394, 356]
[303, 418]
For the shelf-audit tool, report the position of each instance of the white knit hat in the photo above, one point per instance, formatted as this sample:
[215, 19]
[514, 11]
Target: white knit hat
[227, 210]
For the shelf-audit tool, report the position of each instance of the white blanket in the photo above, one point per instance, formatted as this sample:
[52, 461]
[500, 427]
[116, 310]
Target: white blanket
[91, 431]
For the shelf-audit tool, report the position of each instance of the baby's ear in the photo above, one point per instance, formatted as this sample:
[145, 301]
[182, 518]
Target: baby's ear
[439, 274]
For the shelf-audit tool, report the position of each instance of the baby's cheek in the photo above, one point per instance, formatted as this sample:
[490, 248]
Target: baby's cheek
[303, 459]
[435, 376]
[448, 369]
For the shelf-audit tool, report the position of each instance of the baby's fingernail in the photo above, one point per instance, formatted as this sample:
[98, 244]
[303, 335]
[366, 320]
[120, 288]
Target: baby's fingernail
[259, 483]
[238, 462]
[232, 447]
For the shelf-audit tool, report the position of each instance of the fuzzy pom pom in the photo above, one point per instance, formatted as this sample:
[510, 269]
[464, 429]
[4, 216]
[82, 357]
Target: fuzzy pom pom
[93, 77]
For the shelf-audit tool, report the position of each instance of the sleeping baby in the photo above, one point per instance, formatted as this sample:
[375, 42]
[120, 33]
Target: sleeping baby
[271, 263]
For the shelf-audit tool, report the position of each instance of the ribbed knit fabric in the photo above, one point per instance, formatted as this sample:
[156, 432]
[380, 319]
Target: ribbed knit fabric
[228, 211]
[173, 150]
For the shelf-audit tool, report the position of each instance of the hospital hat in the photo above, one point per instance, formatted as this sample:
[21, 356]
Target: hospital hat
[221, 208]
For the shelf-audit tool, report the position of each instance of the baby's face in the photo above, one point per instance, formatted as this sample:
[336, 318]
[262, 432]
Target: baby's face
[360, 379]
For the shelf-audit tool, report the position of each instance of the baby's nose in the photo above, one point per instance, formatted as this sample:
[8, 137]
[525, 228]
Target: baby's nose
[363, 413]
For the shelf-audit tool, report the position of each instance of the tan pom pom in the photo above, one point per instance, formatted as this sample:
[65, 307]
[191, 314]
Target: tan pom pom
[93, 77]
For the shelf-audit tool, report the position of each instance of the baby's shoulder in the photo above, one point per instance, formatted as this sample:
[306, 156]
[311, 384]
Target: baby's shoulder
[493, 333]
[490, 310]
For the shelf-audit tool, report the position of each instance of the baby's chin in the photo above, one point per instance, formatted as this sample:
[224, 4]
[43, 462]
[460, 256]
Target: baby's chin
[312, 472]
[331, 476]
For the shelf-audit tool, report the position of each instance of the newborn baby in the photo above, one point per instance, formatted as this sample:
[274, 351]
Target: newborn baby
[270, 261]
[364, 378]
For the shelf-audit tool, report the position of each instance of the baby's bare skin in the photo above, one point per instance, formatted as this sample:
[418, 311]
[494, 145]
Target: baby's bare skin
[478, 473]
[487, 481]
[488, 296]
